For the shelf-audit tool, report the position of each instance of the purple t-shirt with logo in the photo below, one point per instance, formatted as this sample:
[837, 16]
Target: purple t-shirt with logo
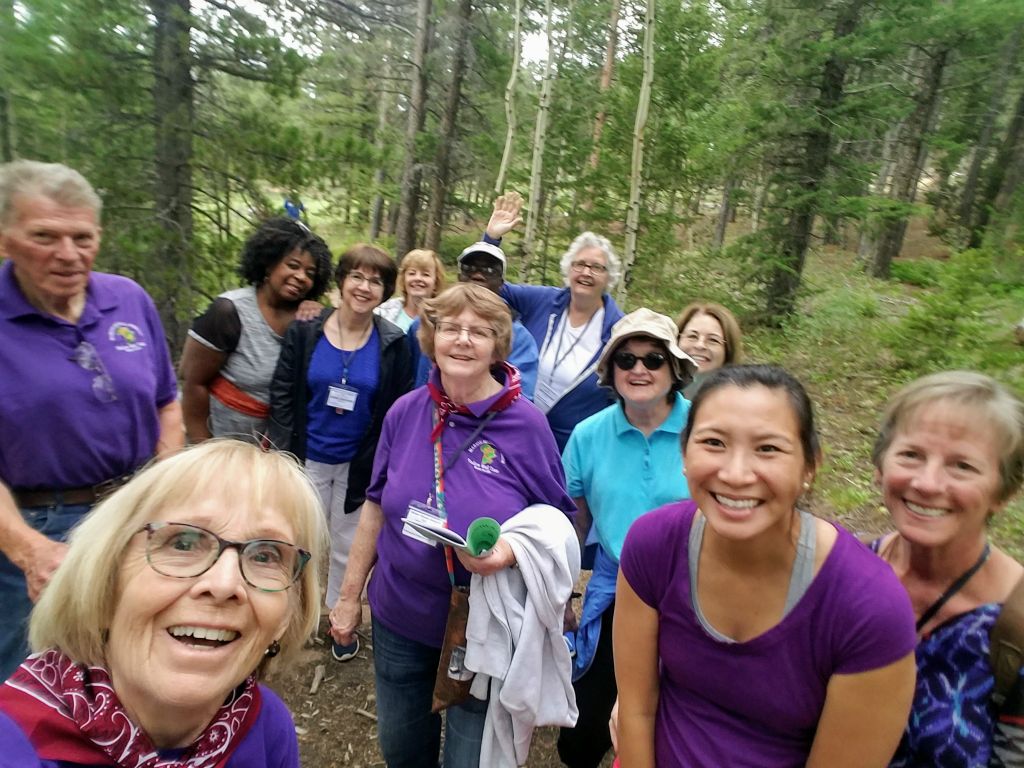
[61, 427]
[758, 703]
[512, 464]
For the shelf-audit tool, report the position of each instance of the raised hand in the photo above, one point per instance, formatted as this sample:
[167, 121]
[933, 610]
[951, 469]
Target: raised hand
[505, 216]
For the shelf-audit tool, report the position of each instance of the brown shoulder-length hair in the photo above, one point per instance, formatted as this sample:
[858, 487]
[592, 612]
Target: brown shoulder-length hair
[726, 319]
[461, 296]
[366, 256]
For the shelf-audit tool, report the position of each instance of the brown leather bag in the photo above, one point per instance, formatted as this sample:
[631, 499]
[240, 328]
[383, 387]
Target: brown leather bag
[451, 686]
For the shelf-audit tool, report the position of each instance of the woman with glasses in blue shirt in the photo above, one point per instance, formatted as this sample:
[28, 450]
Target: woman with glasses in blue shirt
[335, 380]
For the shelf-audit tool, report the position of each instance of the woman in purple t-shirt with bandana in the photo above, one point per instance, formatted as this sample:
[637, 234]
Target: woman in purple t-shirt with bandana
[748, 632]
[464, 446]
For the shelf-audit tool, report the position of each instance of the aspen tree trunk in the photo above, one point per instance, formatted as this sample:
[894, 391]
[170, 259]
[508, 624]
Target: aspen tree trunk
[442, 159]
[996, 187]
[637, 165]
[383, 105]
[510, 100]
[405, 227]
[540, 132]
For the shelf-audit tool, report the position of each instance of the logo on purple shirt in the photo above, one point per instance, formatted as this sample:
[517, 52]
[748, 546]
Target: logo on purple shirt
[488, 455]
[126, 337]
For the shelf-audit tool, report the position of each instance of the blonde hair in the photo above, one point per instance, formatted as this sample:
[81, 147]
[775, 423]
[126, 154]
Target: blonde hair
[966, 390]
[461, 296]
[421, 258]
[77, 606]
[726, 319]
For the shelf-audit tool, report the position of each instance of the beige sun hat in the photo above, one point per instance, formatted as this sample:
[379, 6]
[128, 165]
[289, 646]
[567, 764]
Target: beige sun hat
[647, 322]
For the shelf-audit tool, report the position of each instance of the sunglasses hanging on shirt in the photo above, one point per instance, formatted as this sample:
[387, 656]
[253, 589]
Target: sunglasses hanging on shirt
[625, 361]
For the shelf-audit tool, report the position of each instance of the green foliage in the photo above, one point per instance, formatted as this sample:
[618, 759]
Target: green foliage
[924, 274]
[951, 326]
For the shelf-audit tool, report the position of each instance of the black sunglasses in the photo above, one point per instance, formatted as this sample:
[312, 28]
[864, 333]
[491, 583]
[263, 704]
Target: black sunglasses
[625, 361]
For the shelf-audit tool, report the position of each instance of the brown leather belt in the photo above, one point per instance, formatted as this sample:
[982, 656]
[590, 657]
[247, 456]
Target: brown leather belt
[53, 498]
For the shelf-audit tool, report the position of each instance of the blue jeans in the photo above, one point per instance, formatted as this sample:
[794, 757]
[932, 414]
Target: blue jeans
[55, 522]
[409, 733]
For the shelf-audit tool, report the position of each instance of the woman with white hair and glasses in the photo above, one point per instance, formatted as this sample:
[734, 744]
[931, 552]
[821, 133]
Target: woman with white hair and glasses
[571, 324]
[178, 593]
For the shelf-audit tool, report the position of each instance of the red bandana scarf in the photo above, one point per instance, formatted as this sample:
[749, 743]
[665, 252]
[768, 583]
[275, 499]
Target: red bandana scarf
[70, 712]
[445, 406]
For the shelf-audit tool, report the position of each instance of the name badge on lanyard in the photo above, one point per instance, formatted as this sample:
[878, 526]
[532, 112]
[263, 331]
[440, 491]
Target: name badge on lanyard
[342, 398]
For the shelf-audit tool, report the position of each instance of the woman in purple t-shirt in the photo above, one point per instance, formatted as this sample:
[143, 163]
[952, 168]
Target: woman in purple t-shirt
[748, 632]
[466, 445]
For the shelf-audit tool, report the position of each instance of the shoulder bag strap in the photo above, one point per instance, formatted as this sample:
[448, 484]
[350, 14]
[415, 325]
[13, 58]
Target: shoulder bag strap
[1007, 644]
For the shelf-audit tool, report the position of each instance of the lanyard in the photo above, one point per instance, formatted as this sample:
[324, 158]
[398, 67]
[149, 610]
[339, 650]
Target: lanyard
[561, 336]
[955, 587]
[440, 467]
[346, 356]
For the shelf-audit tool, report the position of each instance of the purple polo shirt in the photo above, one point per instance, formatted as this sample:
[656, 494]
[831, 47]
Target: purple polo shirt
[513, 463]
[55, 431]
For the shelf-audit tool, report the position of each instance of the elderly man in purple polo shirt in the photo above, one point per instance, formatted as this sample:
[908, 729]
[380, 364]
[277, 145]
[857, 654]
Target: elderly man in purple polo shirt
[87, 391]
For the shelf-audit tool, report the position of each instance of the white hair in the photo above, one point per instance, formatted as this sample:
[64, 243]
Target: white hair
[592, 240]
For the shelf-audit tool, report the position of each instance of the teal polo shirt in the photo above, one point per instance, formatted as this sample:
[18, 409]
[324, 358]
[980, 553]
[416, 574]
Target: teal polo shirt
[621, 473]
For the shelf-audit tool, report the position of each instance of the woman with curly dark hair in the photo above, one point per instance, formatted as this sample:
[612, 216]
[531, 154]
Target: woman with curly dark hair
[232, 348]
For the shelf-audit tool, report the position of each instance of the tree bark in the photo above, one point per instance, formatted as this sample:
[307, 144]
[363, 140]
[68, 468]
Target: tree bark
[383, 105]
[7, 146]
[173, 110]
[997, 188]
[607, 70]
[724, 214]
[787, 270]
[449, 122]
[1007, 63]
[405, 228]
[510, 100]
[637, 161]
[911, 148]
[540, 133]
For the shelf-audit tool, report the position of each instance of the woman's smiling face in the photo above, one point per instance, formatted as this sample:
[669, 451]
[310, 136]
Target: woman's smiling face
[744, 460]
[187, 642]
[940, 475]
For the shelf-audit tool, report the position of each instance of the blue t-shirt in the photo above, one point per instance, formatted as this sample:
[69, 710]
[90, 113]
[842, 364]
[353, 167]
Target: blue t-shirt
[621, 473]
[333, 436]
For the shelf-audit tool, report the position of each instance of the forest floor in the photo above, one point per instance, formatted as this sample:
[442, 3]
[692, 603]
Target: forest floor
[846, 371]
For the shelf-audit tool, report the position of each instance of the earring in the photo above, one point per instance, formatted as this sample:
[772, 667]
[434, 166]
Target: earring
[273, 650]
[807, 485]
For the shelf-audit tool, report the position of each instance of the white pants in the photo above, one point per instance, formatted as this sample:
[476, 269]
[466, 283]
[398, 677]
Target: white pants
[331, 481]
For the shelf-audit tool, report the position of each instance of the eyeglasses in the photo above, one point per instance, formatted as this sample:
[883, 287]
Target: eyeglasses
[625, 361]
[359, 279]
[710, 340]
[487, 270]
[452, 331]
[581, 266]
[183, 551]
[85, 356]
